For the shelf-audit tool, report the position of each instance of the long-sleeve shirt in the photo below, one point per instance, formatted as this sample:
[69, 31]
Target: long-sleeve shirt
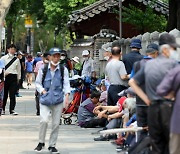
[66, 84]
[15, 67]
[88, 67]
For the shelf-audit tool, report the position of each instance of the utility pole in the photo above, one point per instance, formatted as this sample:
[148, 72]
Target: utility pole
[120, 19]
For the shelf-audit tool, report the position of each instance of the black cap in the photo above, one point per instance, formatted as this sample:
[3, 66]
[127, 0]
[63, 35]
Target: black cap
[168, 39]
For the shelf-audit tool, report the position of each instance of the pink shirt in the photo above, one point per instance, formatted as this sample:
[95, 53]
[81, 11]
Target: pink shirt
[39, 65]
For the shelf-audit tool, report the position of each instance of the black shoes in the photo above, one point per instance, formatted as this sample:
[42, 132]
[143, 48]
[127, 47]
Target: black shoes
[53, 150]
[101, 138]
[39, 147]
[106, 138]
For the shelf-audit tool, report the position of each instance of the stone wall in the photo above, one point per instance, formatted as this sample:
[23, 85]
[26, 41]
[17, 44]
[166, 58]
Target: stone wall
[146, 39]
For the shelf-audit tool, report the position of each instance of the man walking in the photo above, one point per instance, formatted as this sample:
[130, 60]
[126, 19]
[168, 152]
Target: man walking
[117, 76]
[40, 65]
[12, 76]
[52, 83]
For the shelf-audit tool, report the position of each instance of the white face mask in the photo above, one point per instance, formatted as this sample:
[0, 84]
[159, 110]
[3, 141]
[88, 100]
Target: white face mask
[63, 57]
[106, 58]
[46, 61]
[55, 64]
[11, 55]
[174, 55]
[85, 58]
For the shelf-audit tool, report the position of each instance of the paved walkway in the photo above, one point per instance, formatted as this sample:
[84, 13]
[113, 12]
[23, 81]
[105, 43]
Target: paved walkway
[19, 134]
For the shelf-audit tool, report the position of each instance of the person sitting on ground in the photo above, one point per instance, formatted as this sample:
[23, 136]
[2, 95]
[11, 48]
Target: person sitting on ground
[103, 97]
[86, 117]
[115, 120]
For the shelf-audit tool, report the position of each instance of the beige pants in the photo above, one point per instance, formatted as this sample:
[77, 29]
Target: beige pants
[29, 77]
[46, 112]
[174, 144]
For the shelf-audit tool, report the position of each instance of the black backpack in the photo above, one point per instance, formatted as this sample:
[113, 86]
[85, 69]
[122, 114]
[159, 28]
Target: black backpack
[46, 69]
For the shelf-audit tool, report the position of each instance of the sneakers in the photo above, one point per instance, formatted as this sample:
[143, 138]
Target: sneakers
[18, 95]
[13, 112]
[53, 150]
[3, 112]
[39, 147]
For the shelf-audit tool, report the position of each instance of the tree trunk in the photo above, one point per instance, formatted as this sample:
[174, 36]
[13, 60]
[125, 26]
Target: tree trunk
[9, 33]
[172, 21]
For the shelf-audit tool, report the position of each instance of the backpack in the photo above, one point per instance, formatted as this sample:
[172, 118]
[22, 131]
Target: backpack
[46, 69]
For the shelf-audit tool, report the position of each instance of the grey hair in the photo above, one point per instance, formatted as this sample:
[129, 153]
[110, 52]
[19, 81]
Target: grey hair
[131, 104]
[167, 46]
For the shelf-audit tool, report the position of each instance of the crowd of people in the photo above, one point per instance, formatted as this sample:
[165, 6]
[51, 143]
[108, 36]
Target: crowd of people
[137, 91]
[143, 91]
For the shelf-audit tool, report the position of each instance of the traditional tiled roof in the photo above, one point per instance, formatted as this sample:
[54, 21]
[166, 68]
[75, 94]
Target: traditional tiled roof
[103, 5]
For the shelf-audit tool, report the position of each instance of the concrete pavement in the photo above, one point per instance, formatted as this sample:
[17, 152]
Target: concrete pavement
[19, 134]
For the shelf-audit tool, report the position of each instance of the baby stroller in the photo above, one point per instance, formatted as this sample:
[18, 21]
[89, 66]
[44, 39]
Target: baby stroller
[80, 93]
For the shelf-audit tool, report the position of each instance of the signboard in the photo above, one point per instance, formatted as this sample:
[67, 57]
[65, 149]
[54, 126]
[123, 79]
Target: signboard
[28, 22]
[3, 34]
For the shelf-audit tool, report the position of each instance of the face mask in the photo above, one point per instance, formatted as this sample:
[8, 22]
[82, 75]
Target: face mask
[85, 58]
[46, 61]
[106, 58]
[63, 57]
[11, 55]
[174, 55]
[55, 64]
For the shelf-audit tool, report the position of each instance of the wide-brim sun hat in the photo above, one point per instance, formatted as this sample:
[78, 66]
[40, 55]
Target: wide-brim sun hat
[76, 59]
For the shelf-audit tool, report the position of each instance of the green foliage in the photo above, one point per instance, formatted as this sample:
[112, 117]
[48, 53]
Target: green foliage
[144, 20]
[49, 14]
[57, 11]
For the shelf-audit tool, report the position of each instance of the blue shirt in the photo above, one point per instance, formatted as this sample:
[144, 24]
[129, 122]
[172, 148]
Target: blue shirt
[29, 66]
[36, 60]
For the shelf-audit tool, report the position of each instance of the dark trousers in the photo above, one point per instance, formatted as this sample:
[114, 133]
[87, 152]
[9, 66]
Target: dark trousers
[37, 102]
[113, 94]
[159, 115]
[10, 87]
[95, 123]
[142, 120]
[21, 80]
